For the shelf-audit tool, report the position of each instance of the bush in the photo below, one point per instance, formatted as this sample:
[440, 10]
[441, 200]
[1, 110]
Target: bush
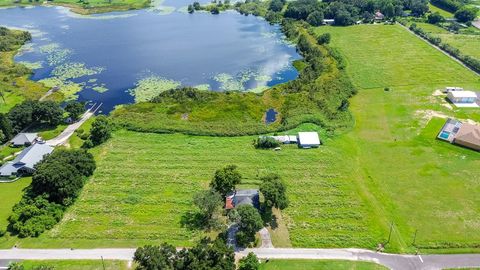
[101, 130]
[265, 142]
[250, 262]
[435, 18]
[466, 14]
[324, 39]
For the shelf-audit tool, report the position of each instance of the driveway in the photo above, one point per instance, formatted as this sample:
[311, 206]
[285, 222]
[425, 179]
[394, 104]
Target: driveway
[392, 261]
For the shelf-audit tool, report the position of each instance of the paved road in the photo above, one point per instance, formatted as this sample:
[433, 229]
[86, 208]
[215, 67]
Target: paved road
[62, 138]
[392, 261]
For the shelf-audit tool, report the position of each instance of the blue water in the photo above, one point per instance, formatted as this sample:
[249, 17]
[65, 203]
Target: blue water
[224, 52]
[270, 116]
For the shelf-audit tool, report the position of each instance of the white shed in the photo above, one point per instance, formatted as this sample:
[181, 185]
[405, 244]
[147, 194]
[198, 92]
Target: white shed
[462, 96]
[308, 140]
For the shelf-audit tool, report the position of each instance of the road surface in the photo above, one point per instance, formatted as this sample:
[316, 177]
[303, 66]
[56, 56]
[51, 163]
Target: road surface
[62, 138]
[392, 261]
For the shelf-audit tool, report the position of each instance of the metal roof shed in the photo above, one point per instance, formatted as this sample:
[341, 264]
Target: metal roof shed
[308, 140]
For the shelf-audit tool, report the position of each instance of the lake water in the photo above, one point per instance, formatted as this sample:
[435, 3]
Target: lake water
[123, 57]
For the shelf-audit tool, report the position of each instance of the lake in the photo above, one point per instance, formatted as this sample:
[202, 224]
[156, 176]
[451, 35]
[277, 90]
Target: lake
[125, 57]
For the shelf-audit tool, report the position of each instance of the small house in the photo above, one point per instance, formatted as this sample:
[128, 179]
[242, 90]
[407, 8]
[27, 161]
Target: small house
[379, 16]
[24, 163]
[328, 21]
[24, 139]
[463, 98]
[468, 136]
[308, 140]
[243, 196]
[449, 130]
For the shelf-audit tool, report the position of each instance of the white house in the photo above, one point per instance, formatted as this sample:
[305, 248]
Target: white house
[24, 163]
[308, 140]
[463, 98]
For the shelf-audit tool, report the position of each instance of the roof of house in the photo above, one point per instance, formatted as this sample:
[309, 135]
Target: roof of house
[243, 196]
[379, 14]
[463, 94]
[32, 155]
[23, 138]
[308, 138]
[469, 134]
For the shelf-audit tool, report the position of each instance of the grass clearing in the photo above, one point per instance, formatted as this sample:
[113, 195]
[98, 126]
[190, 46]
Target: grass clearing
[10, 194]
[405, 175]
[77, 264]
[144, 183]
[442, 12]
[319, 265]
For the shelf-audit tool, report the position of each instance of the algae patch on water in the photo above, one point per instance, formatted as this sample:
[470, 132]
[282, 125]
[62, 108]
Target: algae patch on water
[55, 54]
[32, 65]
[74, 70]
[149, 87]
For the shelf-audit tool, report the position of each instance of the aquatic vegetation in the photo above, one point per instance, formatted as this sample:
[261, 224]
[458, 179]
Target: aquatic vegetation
[67, 88]
[203, 87]
[92, 80]
[228, 82]
[69, 13]
[27, 48]
[158, 7]
[74, 70]
[32, 65]
[100, 89]
[55, 54]
[231, 83]
[149, 87]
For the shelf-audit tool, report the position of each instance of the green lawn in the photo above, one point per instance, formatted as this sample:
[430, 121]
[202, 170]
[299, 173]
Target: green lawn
[442, 12]
[77, 265]
[144, 184]
[405, 175]
[10, 194]
[319, 265]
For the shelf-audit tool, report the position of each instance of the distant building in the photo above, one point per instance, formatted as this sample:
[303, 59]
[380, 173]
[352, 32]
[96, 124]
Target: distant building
[285, 139]
[24, 163]
[24, 139]
[308, 140]
[451, 89]
[243, 196]
[462, 97]
[379, 16]
[328, 21]
[459, 133]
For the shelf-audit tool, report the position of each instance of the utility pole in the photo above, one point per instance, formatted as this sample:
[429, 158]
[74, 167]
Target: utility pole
[390, 233]
[103, 263]
[414, 237]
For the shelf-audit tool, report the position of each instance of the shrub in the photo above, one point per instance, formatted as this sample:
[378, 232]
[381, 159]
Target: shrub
[265, 142]
[435, 18]
[324, 39]
[250, 262]
[101, 130]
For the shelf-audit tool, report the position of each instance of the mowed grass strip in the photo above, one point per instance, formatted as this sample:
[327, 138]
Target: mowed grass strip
[388, 56]
[144, 183]
[319, 265]
[10, 194]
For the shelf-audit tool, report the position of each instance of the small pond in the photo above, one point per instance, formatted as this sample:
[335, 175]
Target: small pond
[270, 116]
[124, 57]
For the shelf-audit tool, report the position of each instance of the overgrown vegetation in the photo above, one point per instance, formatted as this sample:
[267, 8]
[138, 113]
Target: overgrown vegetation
[265, 142]
[319, 95]
[56, 183]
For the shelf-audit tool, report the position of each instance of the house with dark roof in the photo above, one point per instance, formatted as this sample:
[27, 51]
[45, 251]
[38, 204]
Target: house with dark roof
[243, 196]
[24, 139]
[24, 163]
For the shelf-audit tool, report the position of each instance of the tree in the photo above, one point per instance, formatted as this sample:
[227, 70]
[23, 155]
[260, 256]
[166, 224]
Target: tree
[101, 130]
[274, 191]
[276, 5]
[265, 142]
[190, 9]
[61, 175]
[435, 18]
[250, 262]
[225, 179]
[5, 128]
[75, 109]
[249, 223]
[466, 14]
[154, 257]
[197, 6]
[209, 202]
[315, 18]
[324, 39]
[48, 112]
[21, 115]
[419, 7]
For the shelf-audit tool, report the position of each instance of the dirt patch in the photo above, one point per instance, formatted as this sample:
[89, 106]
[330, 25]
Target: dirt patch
[185, 116]
[438, 93]
[447, 105]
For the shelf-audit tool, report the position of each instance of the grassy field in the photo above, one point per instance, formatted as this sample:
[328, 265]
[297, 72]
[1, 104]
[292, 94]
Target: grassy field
[319, 265]
[77, 265]
[144, 185]
[466, 43]
[407, 176]
[10, 194]
[442, 12]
